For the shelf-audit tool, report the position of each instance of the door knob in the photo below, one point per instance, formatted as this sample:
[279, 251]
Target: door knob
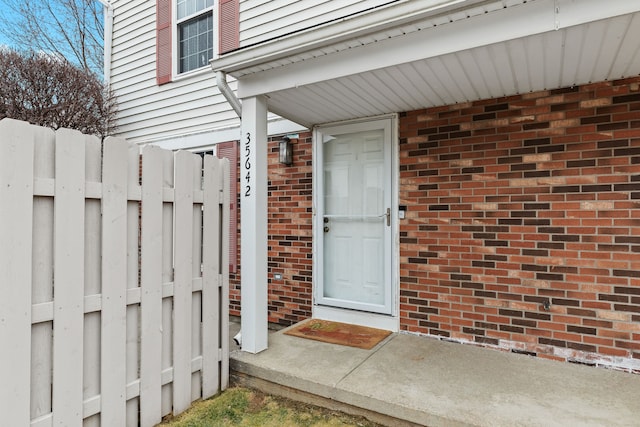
[326, 229]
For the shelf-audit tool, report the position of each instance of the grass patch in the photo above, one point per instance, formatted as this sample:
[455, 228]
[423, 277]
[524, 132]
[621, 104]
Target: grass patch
[244, 407]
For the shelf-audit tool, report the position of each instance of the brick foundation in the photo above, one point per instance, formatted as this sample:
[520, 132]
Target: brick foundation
[522, 229]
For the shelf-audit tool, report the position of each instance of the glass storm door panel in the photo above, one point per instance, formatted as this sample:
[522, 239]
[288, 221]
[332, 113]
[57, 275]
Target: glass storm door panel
[356, 229]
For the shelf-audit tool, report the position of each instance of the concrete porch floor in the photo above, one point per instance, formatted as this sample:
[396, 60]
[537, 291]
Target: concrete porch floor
[412, 380]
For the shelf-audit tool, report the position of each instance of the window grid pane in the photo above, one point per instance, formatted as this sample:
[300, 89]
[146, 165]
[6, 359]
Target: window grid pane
[189, 7]
[196, 42]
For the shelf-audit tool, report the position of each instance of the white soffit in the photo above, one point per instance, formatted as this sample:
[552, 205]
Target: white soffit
[496, 49]
[546, 61]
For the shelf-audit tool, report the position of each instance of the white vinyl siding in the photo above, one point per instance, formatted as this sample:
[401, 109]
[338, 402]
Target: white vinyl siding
[148, 112]
[262, 20]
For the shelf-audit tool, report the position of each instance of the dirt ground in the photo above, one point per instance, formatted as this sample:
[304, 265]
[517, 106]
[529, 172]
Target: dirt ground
[244, 407]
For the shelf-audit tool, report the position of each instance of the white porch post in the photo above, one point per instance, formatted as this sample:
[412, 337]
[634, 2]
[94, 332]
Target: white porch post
[253, 231]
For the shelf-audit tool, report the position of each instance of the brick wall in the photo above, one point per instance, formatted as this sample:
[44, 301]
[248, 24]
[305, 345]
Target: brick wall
[290, 233]
[523, 223]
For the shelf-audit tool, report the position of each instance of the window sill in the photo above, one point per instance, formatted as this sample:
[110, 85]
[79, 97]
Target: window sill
[193, 73]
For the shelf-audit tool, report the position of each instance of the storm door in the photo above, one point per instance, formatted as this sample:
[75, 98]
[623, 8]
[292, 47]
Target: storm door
[353, 217]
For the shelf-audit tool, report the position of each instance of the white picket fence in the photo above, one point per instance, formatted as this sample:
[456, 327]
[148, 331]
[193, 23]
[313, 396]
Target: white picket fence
[113, 279]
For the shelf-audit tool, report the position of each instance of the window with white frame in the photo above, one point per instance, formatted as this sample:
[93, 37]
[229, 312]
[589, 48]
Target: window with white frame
[194, 34]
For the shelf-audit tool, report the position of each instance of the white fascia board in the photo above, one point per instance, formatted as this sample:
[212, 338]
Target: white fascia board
[577, 12]
[196, 141]
[337, 31]
[528, 19]
[205, 140]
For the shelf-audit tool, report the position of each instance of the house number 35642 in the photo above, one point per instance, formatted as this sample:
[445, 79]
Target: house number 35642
[247, 165]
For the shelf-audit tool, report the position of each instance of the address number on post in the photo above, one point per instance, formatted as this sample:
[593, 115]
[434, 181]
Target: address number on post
[247, 165]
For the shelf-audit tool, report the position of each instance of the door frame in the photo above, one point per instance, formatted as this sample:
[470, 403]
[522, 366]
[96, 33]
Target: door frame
[383, 321]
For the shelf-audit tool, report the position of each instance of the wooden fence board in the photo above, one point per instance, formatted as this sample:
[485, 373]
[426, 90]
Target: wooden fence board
[196, 275]
[42, 276]
[16, 193]
[68, 278]
[210, 277]
[223, 315]
[182, 292]
[114, 282]
[151, 281]
[134, 226]
[167, 276]
[92, 283]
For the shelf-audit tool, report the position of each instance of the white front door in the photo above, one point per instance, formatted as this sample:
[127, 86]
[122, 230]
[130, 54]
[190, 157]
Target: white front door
[354, 217]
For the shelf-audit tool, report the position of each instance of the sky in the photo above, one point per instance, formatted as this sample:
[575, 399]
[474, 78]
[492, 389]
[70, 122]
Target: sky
[6, 12]
[4, 41]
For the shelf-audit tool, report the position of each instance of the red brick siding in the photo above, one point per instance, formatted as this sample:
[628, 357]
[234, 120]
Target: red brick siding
[234, 277]
[290, 232]
[519, 201]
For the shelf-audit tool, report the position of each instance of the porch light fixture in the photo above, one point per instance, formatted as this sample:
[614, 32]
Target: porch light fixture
[286, 151]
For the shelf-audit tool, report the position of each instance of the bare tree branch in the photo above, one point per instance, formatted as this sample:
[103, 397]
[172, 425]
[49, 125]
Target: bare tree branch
[50, 91]
[72, 29]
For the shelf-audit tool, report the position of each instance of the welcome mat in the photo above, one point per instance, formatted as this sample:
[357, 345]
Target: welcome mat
[338, 333]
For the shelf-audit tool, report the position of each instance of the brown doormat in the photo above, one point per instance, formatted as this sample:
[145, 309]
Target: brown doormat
[339, 333]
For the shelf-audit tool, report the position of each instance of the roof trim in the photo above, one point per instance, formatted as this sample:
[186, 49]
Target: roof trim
[391, 15]
[533, 17]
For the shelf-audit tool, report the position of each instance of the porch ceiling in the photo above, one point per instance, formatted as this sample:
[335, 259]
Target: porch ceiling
[520, 48]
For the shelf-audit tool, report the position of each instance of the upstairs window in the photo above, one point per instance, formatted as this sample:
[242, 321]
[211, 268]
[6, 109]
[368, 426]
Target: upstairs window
[191, 23]
[195, 34]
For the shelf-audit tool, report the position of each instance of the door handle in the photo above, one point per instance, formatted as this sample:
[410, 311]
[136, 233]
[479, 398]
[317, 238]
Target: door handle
[387, 214]
[326, 229]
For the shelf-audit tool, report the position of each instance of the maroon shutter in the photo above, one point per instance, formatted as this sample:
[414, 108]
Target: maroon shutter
[229, 25]
[229, 150]
[163, 41]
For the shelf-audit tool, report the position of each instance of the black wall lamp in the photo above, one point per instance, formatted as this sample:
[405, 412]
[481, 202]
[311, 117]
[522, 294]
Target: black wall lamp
[286, 151]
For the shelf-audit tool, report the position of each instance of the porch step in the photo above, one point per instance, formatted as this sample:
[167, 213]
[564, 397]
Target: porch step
[243, 380]
[423, 381]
